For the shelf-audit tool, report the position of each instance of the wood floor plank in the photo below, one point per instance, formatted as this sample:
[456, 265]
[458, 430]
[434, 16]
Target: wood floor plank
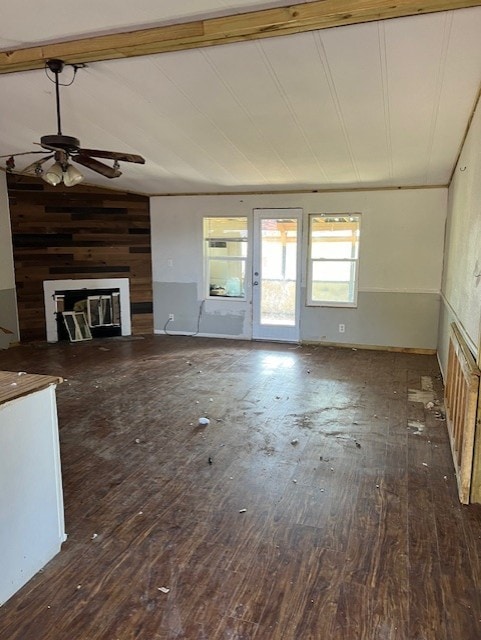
[362, 616]
[352, 529]
[427, 604]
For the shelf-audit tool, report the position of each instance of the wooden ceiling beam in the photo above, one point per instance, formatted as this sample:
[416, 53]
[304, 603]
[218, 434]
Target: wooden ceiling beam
[309, 16]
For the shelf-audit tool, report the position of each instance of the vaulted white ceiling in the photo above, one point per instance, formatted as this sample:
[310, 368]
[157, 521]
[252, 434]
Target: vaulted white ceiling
[381, 104]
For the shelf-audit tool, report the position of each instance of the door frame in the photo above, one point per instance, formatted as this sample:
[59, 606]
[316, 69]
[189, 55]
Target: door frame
[274, 332]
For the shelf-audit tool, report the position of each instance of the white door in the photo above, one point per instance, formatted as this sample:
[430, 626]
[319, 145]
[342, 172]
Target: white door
[276, 274]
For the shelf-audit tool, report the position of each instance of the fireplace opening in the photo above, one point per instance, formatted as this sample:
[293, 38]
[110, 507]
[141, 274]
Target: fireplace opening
[101, 308]
[106, 299]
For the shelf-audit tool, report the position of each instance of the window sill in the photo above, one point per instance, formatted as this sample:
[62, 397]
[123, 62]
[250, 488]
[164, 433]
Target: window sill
[334, 305]
[225, 297]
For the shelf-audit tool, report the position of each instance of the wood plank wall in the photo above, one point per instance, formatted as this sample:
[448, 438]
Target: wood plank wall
[78, 233]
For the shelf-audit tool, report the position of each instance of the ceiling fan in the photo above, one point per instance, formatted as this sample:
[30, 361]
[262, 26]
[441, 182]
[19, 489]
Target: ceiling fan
[64, 149]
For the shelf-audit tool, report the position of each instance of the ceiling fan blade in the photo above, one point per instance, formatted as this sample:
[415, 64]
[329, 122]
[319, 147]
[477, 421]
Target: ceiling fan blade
[113, 155]
[37, 162]
[24, 153]
[95, 165]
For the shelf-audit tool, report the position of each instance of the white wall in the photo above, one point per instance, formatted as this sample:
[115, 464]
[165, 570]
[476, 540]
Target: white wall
[462, 271]
[402, 239]
[8, 299]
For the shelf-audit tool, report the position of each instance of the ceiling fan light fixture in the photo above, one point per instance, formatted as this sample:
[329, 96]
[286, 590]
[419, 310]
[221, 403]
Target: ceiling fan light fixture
[38, 170]
[72, 176]
[54, 174]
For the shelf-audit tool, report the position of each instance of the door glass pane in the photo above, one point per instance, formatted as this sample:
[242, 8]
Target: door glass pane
[278, 271]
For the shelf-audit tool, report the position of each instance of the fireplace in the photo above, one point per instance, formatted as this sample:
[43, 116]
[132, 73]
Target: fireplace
[104, 302]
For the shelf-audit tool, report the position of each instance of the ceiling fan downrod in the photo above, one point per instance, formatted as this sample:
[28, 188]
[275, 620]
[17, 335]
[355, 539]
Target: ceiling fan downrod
[56, 67]
[59, 141]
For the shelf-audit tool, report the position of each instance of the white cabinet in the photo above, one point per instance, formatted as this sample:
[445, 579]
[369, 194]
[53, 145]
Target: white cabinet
[31, 504]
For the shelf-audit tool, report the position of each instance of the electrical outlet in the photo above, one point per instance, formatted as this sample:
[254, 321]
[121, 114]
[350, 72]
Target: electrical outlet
[171, 316]
[342, 328]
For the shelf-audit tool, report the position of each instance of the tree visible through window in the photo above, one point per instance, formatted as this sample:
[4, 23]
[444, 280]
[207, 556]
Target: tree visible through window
[333, 259]
[225, 254]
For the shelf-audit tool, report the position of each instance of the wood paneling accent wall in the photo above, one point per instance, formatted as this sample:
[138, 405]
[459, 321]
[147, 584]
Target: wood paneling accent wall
[78, 233]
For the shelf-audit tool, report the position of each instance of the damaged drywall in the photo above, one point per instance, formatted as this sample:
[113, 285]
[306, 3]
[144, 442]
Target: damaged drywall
[193, 316]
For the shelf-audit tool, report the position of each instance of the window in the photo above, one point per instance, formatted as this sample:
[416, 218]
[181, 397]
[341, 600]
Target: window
[333, 259]
[77, 327]
[225, 254]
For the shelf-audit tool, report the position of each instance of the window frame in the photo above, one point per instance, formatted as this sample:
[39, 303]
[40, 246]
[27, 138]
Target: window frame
[207, 260]
[78, 329]
[310, 264]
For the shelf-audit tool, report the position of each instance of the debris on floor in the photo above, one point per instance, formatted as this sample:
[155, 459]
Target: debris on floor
[242, 510]
[425, 396]
[94, 535]
[418, 427]
[137, 440]
[427, 383]
[204, 422]
[210, 460]
[294, 442]
[163, 589]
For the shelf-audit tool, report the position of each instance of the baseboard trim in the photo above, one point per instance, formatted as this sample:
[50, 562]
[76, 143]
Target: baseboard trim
[341, 345]
[372, 347]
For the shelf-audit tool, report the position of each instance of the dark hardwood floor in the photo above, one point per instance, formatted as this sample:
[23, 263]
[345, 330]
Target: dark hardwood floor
[329, 509]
